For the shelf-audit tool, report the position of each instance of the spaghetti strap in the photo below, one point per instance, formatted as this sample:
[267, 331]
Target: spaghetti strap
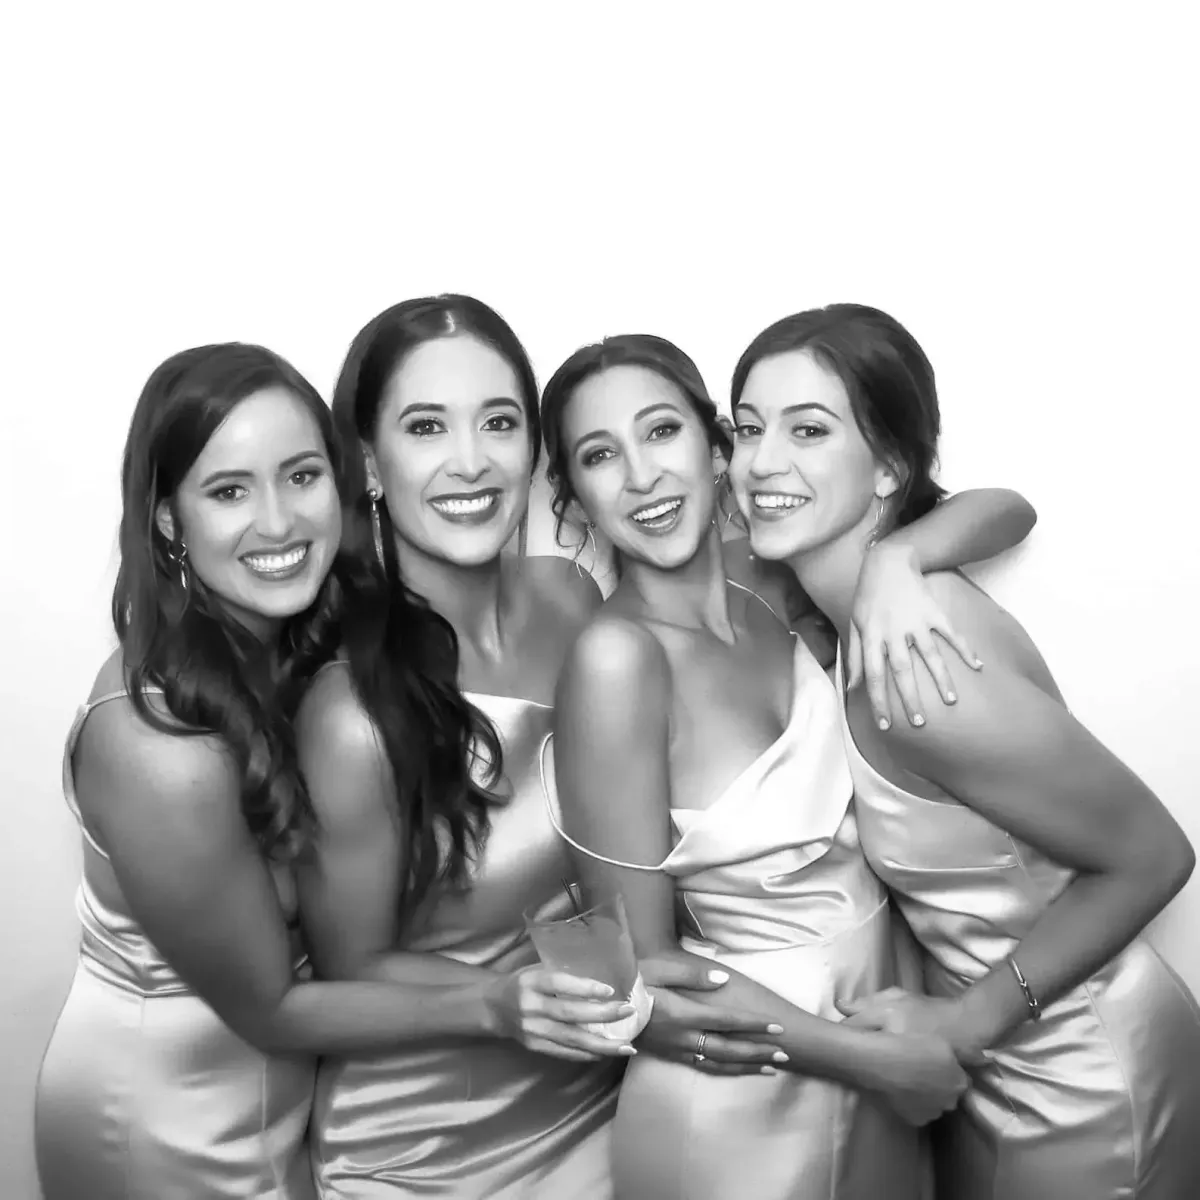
[551, 807]
[751, 592]
[68, 773]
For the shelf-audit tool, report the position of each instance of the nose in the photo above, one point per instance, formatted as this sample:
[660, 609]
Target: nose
[467, 459]
[767, 457]
[642, 471]
[273, 517]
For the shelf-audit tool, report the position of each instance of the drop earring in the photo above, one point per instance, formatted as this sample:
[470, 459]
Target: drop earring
[588, 528]
[377, 527]
[877, 532]
[178, 555]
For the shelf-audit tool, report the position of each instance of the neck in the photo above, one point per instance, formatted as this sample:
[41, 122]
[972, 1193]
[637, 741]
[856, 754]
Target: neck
[829, 575]
[693, 595]
[471, 598]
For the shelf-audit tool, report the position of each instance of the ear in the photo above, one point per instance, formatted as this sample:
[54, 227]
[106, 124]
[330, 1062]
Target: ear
[165, 521]
[887, 481]
[371, 469]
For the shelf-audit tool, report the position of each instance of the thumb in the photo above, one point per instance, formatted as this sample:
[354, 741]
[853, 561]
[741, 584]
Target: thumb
[696, 975]
[854, 659]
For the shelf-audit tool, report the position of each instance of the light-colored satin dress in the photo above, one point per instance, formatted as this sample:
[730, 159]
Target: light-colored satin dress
[144, 1092]
[1100, 1099]
[770, 881]
[481, 1118]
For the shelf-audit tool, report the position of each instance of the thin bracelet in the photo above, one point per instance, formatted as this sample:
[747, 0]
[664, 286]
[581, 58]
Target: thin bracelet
[1035, 1009]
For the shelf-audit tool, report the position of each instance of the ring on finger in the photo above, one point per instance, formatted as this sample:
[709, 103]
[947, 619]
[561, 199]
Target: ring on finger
[698, 1055]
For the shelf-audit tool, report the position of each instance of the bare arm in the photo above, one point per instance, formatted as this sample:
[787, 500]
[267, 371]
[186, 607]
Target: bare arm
[612, 768]
[167, 810]
[894, 609]
[1014, 753]
[350, 896]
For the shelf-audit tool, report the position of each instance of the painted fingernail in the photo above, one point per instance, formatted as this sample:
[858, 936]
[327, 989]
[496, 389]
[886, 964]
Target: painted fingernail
[780, 1057]
[767, 1071]
[626, 1010]
[979, 664]
[718, 976]
[774, 1028]
[918, 719]
[884, 724]
[603, 990]
[950, 697]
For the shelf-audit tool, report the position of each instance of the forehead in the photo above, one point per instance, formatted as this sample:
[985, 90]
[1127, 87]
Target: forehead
[452, 371]
[792, 378]
[261, 431]
[616, 395]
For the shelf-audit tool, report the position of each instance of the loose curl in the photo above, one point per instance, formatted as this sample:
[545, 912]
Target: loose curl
[644, 350]
[403, 655]
[890, 382]
[215, 676]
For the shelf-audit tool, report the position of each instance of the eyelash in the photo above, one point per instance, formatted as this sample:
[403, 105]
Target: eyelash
[665, 428]
[424, 427]
[748, 429]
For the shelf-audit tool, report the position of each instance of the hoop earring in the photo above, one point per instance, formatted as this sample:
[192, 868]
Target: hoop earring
[377, 528]
[180, 559]
[877, 532]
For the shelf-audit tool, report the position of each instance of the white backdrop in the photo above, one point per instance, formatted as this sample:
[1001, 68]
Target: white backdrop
[1015, 186]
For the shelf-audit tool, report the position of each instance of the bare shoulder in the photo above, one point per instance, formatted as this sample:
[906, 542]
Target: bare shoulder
[616, 655]
[332, 716]
[556, 583]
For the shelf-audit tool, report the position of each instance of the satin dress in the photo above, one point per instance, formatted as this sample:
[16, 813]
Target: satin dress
[1100, 1099]
[144, 1092]
[770, 881]
[481, 1118]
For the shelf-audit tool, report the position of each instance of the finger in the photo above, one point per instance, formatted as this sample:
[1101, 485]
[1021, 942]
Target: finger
[579, 1012]
[867, 1020]
[697, 976]
[572, 1037]
[961, 647]
[708, 1067]
[854, 659]
[927, 648]
[553, 1050]
[745, 1024]
[875, 670]
[738, 1050]
[559, 983]
[900, 662]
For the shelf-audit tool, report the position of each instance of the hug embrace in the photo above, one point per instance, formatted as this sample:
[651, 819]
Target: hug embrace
[884, 894]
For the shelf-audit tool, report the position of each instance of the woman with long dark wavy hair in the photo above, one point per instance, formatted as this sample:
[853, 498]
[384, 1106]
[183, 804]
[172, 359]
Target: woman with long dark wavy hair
[181, 1065]
[700, 772]
[1025, 856]
[419, 749]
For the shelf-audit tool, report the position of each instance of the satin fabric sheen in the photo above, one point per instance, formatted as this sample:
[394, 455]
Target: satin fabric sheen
[144, 1093]
[1100, 1099]
[771, 882]
[481, 1118]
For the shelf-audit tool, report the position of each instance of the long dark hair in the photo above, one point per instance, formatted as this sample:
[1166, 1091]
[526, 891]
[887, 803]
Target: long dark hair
[655, 354]
[216, 676]
[403, 655]
[890, 382]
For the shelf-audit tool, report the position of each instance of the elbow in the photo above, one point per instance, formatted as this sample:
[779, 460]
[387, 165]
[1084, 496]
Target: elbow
[1164, 868]
[1024, 515]
[1179, 861]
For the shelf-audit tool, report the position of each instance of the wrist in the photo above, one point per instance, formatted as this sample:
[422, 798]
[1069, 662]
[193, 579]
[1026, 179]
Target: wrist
[484, 1007]
[985, 1013]
[897, 548]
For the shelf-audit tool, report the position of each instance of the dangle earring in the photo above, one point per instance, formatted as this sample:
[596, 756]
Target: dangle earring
[179, 558]
[877, 532]
[588, 528]
[377, 527]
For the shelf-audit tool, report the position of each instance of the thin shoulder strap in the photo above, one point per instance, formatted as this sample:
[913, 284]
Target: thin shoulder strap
[68, 771]
[551, 807]
[751, 592]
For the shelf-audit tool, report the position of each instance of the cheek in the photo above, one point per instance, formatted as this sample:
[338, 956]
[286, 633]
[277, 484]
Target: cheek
[211, 530]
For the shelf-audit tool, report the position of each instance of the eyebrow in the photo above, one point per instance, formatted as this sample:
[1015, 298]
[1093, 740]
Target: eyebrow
[494, 402]
[287, 464]
[642, 412]
[792, 409]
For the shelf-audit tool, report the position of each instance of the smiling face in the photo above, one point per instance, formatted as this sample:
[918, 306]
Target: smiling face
[802, 472]
[640, 464]
[451, 452]
[258, 510]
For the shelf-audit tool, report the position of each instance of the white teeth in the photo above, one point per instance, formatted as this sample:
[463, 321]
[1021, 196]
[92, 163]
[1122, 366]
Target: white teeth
[275, 562]
[476, 504]
[777, 500]
[659, 510]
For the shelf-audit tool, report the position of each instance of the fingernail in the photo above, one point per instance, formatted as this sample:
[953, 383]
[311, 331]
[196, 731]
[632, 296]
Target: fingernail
[604, 989]
[628, 1051]
[918, 719]
[950, 697]
[978, 664]
[767, 1071]
[718, 976]
[780, 1057]
[626, 1010]
[884, 723]
[774, 1028]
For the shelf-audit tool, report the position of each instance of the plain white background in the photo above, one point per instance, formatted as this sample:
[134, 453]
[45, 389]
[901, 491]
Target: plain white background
[1014, 184]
